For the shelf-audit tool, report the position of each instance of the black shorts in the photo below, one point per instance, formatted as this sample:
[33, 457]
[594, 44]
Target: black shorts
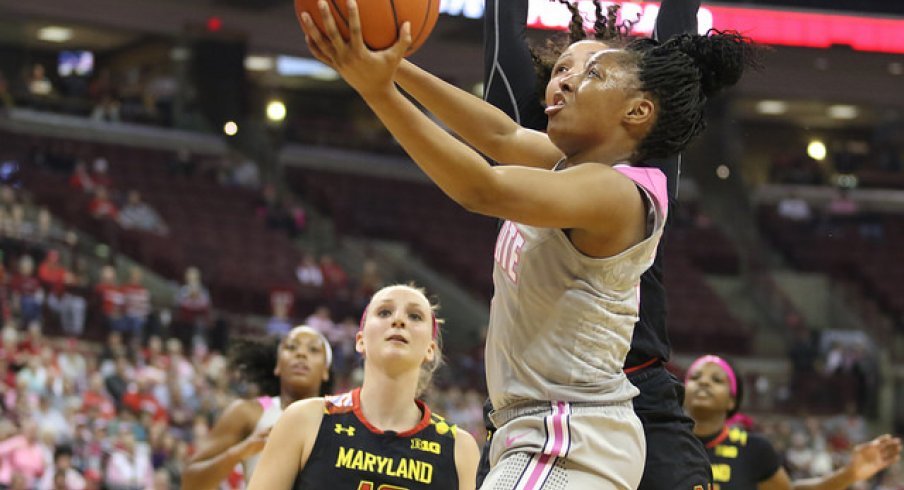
[676, 459]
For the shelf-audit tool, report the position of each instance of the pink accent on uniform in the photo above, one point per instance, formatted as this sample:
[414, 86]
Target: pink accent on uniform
[266, 402]
[558, 443]
[732, 379]
[651, 179]
[432, 317]
[508, 249]
[540, 472]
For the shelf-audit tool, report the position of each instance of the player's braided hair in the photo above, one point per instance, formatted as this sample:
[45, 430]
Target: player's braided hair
[681, 74]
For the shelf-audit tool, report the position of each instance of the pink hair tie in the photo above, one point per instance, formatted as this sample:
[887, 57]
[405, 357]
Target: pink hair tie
[732, 379]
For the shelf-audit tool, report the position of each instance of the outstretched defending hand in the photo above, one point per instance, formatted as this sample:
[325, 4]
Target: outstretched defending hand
[368, 72]
[871, 457]
[254, 443]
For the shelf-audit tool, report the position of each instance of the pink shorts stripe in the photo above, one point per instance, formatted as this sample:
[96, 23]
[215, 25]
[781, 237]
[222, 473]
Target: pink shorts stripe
[557, 427]
[538, 471]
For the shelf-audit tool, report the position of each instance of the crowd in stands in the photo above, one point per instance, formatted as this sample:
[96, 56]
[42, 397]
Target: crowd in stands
[142, 94]
[814, 446]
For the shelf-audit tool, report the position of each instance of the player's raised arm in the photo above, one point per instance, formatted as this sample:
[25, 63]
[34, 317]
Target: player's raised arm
[485, 127]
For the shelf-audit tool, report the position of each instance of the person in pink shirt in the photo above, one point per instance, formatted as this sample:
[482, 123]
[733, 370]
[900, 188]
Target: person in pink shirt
[22, 454]
[129, 466]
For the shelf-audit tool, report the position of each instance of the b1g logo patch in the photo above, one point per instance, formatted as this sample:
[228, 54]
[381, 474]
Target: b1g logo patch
[426, 446]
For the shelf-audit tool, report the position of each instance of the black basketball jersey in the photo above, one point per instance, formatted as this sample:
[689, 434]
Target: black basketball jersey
[351, 454]
[740, 459]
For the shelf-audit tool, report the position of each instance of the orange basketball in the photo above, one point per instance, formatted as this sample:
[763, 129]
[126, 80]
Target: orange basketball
[380, 19]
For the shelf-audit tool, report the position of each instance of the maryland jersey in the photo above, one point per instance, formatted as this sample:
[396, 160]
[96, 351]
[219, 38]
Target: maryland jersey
[740, 460]
[351, 454]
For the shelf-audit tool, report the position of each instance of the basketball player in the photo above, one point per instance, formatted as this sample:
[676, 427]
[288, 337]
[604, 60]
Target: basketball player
[675, 458]
[577, 237]
[744, 460]
[378, 436]
[296, 367]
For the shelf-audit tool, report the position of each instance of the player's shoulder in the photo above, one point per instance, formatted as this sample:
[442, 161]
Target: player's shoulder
[242, 411]
[740, 436]
[304, 411]
[340, 403]
[443, 428]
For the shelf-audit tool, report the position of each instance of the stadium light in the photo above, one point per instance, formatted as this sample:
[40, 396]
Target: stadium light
[817, 150]
[841, 111]
[771, 107]
[276, 111]
[259, 63]
[55, 34]
[723, 172]
[230, 128]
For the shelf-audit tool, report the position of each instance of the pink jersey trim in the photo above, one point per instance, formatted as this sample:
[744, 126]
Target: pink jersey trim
[651, 179]
[266, 402]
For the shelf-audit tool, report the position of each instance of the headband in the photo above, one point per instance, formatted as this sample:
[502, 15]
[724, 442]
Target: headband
[432, 317]
[732, 379]
[326, 343]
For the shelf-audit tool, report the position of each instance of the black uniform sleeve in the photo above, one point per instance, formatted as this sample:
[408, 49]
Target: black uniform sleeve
[510, 80]
[766, 461]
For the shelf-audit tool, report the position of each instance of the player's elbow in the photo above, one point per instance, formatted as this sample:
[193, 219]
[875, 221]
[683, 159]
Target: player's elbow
[481, 199]
[193, 477]
[471, 201]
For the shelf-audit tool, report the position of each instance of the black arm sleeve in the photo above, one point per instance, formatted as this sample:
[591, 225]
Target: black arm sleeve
[510, 81]
[676, 17]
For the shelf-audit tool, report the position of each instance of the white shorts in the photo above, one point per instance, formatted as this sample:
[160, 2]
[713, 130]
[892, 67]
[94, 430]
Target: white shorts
[562, 446]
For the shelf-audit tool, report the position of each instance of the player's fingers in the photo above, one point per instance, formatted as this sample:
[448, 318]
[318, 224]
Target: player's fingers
[354, 26]
[401, 46]
[318, 54]
[316, 43]
[330, 28]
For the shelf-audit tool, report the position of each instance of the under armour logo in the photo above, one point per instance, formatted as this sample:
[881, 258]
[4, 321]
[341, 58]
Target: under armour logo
[348, 430]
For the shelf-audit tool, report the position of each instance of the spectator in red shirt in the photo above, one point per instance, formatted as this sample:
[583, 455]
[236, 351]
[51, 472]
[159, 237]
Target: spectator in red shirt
[137, 304]
[193, 317]
[111, 298]
[335, 279]
[140, 399]
[57, 280]
[96, 399]
[52, 274]
[81, 178]
[27, 293]
[101, 207]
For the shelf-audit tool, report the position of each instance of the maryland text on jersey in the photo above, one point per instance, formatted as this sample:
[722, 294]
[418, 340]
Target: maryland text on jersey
[351, 453]
[407, 468]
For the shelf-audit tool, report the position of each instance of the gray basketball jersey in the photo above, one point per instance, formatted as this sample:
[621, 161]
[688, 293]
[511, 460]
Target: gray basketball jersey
[560, 321]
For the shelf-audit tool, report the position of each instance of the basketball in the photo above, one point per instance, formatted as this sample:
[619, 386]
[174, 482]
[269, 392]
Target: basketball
[380, 19]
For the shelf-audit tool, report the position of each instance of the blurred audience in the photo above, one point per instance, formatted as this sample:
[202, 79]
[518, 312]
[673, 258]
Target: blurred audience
[138, 215]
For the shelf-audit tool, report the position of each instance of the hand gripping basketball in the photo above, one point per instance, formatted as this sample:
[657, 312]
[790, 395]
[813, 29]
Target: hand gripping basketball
[365, 70]
[382, 19]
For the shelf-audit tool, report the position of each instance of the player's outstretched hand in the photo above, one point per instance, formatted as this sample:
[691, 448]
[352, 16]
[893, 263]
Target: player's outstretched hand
[871, 457]
[368, 72]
